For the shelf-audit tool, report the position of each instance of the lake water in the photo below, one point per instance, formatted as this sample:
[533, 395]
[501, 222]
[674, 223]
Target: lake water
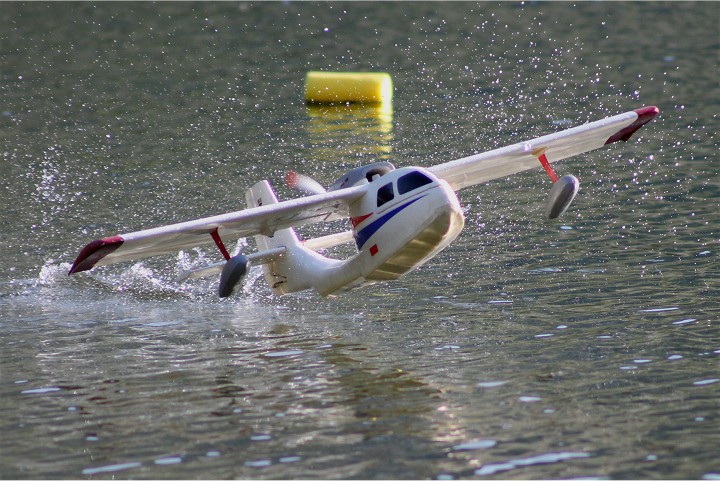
[580, 348]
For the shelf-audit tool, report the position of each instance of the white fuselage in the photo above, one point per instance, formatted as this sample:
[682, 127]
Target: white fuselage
[404, 219]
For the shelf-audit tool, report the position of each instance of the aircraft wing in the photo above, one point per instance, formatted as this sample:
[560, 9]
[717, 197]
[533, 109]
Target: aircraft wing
[264, 220]
[512, 159]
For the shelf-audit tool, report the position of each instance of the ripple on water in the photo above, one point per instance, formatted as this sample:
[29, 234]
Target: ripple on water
[41, 390]
[529, 399]
[475, 445]
[488, 384]
[684, 321]
[110, 468]
[288, 353]
[490, 469]
[660, 309]
[289, 459]
[169, 460]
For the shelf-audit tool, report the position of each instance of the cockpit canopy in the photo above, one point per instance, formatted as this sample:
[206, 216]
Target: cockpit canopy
[405, 184]
[366, 172]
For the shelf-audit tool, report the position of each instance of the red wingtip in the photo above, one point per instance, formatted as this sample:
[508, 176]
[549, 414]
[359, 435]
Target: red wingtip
[93, 252]
[645, 115]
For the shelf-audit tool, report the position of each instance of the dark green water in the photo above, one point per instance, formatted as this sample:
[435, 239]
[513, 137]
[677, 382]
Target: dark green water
[581, 348]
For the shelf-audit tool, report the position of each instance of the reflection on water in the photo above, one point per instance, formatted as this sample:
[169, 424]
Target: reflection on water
[350, 132]
[263, 393]
[527, 349]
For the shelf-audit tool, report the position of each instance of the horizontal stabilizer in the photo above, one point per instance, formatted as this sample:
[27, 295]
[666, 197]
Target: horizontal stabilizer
[329, 241]
[258, 258]
[265, 257]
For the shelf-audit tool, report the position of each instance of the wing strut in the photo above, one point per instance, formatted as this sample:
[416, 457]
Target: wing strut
[540, 154]
[563, 190]
[219, 243]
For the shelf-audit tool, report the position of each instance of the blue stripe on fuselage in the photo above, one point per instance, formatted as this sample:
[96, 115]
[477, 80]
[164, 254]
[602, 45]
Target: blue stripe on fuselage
[366, 232]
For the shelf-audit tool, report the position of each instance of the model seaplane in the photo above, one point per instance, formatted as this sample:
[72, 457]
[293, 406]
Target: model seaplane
[400, 218]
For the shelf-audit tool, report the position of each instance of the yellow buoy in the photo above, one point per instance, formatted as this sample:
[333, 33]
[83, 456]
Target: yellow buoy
[337, 87]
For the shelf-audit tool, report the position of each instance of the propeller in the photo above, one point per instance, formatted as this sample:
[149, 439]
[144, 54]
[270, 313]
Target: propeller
[357, 176]
[304, 183]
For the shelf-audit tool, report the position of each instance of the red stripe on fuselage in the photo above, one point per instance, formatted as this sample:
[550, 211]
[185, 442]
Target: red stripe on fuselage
[356, 221]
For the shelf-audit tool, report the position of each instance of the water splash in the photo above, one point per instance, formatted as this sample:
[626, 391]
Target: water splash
[52, 273]
[153, 278]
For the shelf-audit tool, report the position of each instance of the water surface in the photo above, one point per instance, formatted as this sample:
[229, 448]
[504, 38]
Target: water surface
[583, 347]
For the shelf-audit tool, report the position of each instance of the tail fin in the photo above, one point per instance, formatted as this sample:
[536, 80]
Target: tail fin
[299, 268]
[262, 194]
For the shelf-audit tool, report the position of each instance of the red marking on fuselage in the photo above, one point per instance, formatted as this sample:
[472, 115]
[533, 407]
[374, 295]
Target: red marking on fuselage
[356, 221]
[374, 250]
